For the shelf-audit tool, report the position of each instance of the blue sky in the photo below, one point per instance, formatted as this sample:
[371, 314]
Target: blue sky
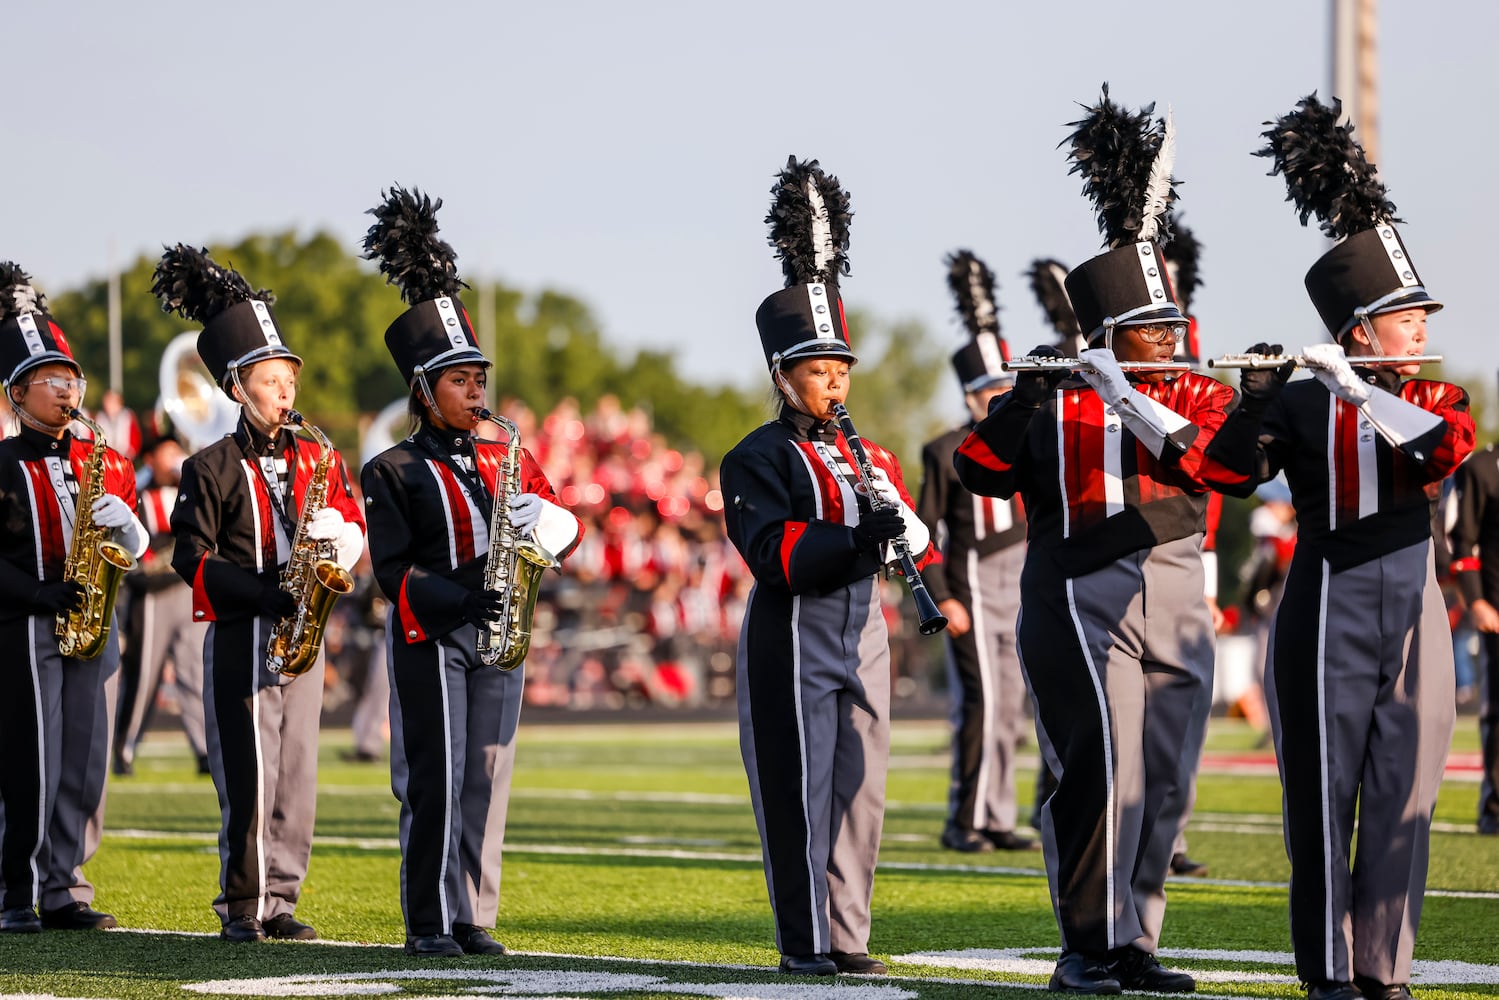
[623, 152]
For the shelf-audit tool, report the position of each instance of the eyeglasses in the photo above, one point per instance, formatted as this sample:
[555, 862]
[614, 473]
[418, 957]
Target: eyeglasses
[1159, 333]
[62, 384]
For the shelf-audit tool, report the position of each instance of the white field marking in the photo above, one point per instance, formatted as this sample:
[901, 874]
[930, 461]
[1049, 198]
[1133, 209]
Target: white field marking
[678, 841]
[564, 850]
[1041, 961]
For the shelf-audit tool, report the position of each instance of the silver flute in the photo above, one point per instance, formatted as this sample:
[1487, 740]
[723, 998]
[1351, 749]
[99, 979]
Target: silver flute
[1032, 363]
[1260, 361]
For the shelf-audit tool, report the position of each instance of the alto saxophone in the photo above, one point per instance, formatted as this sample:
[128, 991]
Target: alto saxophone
[513, 567]
[95, 562]
[312, 575]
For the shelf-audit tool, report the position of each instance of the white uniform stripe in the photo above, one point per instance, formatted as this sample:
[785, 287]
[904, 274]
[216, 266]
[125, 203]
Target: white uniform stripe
[41, 761]
[1329, 926]
[1113, 462]
[1332, 467]
[1368, 468]
[447, 513]
[813, 912]
[447, 788]
[980, 523]
[1002, 512]
[257, 655]
[1109, 847]
[816, 489]
[980, 632]
[250, 474]
[1061, 398]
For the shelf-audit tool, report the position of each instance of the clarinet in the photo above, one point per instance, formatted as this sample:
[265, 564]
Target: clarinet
[930, 621]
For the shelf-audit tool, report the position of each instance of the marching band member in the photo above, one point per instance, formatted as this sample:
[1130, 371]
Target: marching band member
[1114, 635]
[430, 501]
[814, 658]
[1364, 450]
[54, 712]
[977, 586]
[237, 511]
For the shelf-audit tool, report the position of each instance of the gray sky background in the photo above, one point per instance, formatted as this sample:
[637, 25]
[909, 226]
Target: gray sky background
[624, 152]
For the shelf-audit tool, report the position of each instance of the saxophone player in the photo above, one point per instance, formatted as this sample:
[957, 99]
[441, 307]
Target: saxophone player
[432, 502]
[53, 710]
[239, 505]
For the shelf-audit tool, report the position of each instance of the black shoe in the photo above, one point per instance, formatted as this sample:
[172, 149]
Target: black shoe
[1488, 826]
[76, 916]
[203, 765]
[122, 767]
[1009, 840]
[20, 920]
[955, 838]
[358, 756]
[1328, 990]
[242, 930]
[1373, 989]
[432, 946]
[1140, 970]
[476, 940]
[808, 965]
[1183, 865]
[1082, 973]
[285, 927]
[857, 963]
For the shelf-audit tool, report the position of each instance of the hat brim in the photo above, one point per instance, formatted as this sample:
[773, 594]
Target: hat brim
[817, 349]
[36, 361]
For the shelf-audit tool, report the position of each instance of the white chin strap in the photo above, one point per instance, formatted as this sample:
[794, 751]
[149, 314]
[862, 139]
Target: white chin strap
[787, 392]
[244, 400]
[25, 416]
[1363, 320]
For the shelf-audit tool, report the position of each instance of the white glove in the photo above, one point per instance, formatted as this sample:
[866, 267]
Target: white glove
[1330, 365]
[917, 535]
[525, 511]
[1106, 377]
[111, 512]
[326, 525]
[885, 488]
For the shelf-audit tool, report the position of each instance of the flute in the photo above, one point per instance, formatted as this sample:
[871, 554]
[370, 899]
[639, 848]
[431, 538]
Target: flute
[1031, 363]
[930, 621]
[1261, 361]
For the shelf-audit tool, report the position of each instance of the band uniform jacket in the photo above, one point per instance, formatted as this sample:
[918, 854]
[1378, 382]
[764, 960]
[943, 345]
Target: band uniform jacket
[1475, 530]
[974, 523]
[33, 543]
[225, 521]
[429, 534]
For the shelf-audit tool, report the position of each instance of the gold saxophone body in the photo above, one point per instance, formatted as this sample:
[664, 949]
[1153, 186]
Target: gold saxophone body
[514, 567]
[95, 562]
[312, 575]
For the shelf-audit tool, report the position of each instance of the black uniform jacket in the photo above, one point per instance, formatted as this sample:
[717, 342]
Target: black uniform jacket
[33, 549]
[225, 520]
[790, 510]
[974, 523]
[1357, 497]
[1475, 532]
[1093, 493]
[427, 528]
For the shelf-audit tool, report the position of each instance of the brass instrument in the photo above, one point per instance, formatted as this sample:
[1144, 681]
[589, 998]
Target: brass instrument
[1262, 361]
[513, 568]
[312, 575]
[929, 620]
[95, 562]
[1033, 363]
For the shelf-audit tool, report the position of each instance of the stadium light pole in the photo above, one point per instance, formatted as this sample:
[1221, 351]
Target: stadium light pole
[1355, 68]
[116, 365]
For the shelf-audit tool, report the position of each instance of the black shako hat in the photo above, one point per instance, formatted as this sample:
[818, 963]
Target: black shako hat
[979, 364]
[1327, 175]
[1125, 159]
[435, 332]
[809, 219]
[29, 336]
[239, 328]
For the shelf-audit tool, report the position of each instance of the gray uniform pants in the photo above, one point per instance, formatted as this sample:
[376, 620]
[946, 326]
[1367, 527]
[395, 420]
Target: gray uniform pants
[988, 695]
[168, 632]
[1120, 662]
[453, 724]
[1360, 689]
[814, 731]
[262, 751]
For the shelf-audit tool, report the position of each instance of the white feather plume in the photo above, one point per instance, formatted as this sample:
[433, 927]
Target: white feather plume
[822, 230]
[1158, 187]
[983, 306]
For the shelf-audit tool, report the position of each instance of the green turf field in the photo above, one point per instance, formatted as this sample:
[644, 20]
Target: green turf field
[633, 870]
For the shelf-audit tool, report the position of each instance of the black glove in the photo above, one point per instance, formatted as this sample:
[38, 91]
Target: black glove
[480, 608]
[276, 603]
[1264, 384]
[64, 595]
[1033, 388]
[878, 526]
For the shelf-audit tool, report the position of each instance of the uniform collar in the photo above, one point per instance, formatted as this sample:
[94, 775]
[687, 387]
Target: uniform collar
[256, 443]
[1385, 378]
[806, 427]
[46, 443]
[447, 442]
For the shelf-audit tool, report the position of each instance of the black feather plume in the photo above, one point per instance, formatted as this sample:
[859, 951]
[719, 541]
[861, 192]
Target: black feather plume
[1327, 174]
[1182, 254]
[972, 285]
[17, 296]
[1114, 149]
[192, 284]
[1046, 282]
[809, 220]
[405, 242]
